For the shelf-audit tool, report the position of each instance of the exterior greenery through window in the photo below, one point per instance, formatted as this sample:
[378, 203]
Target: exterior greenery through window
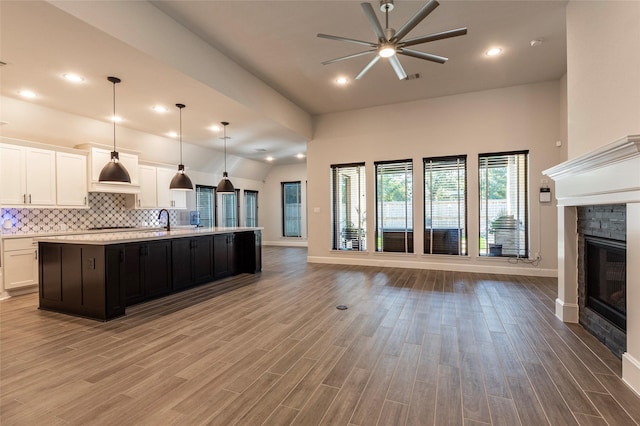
[394, 206]
[445, 205]
[205, 204]
[228, 209]
[504, 204]
[250, 208]
[291, 209]
[348, 207]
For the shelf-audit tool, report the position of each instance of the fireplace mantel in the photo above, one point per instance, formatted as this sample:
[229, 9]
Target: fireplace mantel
[610, 174]
[607, 175]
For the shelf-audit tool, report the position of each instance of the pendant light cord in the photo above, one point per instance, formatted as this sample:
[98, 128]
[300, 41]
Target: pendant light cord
[181, 136]
[225, 148]
[114, 116]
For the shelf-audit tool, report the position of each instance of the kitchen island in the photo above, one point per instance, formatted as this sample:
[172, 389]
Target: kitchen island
[98, 275]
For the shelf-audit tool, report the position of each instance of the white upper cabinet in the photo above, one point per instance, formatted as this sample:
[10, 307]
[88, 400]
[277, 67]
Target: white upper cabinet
[71, 183]
[167, 198]
[148, 197]
[28, 176]
[98, 158]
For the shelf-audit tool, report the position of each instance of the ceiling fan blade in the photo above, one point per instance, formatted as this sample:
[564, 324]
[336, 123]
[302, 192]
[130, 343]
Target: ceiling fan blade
[368, 67]
[355, 55]
[348, 40]
[422, 55]
[397, 67]
[373, 20]
[417, 18]
[434, 37]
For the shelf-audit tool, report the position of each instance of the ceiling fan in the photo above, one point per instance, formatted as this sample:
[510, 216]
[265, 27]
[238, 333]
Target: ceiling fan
[390, 42]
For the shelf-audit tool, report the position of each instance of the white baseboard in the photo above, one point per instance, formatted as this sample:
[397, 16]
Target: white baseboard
[440, 266]
[567, 312]
[631, 372]
[286, 243]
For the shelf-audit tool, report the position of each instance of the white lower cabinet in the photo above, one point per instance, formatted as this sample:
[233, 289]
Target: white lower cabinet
[20, 263]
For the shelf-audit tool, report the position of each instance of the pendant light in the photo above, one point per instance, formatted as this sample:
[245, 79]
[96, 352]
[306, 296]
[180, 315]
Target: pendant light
[225, 186]
[181, 181]
[114, 171]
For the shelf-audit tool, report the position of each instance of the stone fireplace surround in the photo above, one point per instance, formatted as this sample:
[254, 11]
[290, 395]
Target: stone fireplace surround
[608, 175]
[606, 221]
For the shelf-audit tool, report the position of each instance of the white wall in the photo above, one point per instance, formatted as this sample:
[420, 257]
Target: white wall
[514, 118]
[603, 73]
[603, 97]
[270, 204]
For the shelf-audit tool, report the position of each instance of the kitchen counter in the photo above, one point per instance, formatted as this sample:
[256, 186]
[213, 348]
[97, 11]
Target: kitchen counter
[97, 275]
[138, 235]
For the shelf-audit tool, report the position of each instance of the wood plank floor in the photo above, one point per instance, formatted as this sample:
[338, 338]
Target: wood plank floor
[415, 347]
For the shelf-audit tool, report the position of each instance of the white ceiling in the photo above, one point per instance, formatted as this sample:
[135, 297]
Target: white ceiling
[275, 41]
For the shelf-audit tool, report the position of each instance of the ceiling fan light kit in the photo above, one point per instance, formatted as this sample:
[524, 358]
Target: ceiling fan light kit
[390, 42]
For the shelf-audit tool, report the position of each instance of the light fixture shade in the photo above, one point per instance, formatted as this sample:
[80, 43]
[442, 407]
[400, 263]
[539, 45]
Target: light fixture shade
[225, 186]
[181, 181]
[114, 171]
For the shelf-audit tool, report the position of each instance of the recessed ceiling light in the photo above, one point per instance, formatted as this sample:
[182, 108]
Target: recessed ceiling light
[342, 80]
[74, 78]
[269, 158]
[300, 155]
[493, 51]
[172, 134]
[159, 108]
[27, 94]
[116, 118]
[214, 128]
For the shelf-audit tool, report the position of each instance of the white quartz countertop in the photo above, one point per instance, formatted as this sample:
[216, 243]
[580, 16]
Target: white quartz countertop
[106, 238]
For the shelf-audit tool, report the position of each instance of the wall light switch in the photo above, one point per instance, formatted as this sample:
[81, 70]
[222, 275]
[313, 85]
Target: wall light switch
[316, 209]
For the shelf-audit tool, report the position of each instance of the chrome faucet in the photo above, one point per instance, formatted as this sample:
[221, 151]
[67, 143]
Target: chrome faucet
[160, 215]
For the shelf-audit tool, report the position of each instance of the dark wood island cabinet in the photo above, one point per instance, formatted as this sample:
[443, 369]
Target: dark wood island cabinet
[99, 275]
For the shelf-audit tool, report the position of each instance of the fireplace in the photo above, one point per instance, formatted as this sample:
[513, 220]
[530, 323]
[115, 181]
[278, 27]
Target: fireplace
[605, 178]
[606, 279]
[602, 273]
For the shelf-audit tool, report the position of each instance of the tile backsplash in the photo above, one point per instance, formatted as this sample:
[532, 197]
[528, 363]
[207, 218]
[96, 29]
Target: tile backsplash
[105, 209]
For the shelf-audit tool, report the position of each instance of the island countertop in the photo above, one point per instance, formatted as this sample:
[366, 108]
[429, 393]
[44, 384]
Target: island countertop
[108, 238]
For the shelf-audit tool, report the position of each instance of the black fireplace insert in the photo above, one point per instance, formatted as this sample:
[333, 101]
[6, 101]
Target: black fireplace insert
[606, 279]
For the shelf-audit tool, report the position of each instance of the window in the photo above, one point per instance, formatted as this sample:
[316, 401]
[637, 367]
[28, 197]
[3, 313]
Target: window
[291, 209]
[445, 205]
[205, 204]
[250, 208]
[504, 204]
[348, 202]
[228, 209]
[394, 206]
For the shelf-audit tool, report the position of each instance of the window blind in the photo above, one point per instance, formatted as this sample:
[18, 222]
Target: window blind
[205, 196]
[348, 207]
[504, 204]
[228, 209]
[250, 208]
[291, 209]
[445, 205]
[394, 206]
